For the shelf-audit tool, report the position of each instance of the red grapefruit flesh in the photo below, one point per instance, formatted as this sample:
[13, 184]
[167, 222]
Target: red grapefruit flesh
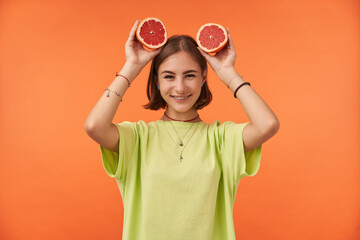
[151, 33]
[211, 38]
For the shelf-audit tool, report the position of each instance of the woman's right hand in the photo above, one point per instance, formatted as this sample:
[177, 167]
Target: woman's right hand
[135, 53]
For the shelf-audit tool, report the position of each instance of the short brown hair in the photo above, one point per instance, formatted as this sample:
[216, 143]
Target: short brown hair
[176, 44]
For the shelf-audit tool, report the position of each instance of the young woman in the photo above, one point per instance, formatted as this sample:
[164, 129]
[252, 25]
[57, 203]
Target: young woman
[178, 175]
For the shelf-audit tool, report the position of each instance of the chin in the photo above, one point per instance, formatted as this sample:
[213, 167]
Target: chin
[182, 109]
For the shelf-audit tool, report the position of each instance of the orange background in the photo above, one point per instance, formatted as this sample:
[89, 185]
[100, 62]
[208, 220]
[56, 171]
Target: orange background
[301, 56]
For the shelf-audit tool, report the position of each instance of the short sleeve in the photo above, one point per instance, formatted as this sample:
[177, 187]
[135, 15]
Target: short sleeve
[116, 164]
[236, 161]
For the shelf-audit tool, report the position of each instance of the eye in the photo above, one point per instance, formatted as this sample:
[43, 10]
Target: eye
[190, 76]
[168, 77]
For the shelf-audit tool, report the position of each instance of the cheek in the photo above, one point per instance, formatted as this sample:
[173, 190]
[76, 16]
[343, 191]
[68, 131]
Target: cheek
[163, 87]
[164, 91]
[198, 86]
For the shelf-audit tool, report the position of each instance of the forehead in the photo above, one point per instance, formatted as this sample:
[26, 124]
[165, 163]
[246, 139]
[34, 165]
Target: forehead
[178, 62]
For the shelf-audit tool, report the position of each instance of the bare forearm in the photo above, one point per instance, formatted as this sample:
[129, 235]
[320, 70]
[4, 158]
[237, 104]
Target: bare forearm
[261, 116]
[102, 115]
[259, 113]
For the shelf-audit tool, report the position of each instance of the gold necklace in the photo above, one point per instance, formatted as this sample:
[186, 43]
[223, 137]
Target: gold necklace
[181, 143]
[182, 147]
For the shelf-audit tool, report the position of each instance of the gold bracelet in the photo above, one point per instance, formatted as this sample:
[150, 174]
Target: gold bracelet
[117, 93]
[228, 85]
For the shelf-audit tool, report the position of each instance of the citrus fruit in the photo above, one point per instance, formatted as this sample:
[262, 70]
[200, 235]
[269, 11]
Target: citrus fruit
[211, 38]
[151, 33]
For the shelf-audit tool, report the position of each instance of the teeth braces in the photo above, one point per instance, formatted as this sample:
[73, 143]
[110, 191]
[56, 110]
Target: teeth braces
[181, 98]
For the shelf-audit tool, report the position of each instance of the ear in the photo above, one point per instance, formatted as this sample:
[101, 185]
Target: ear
[157, 83]
[204, 75]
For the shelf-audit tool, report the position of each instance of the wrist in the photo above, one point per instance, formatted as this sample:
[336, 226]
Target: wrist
[235, 82]
[227, 74]
[130, 70]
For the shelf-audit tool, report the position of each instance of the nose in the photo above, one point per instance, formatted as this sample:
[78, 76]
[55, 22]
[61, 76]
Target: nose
[180, 86]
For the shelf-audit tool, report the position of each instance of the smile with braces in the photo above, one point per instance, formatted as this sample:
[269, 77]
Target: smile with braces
[181, 98]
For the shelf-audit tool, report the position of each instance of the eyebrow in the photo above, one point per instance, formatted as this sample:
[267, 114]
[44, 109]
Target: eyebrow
[186, 72]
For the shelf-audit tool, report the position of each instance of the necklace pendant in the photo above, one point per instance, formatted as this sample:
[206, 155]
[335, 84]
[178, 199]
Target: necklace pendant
[181, 158]
[181, 144]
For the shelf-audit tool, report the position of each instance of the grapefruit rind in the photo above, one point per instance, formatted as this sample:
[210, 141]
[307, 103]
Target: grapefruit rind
[212, 51]
[147, 46]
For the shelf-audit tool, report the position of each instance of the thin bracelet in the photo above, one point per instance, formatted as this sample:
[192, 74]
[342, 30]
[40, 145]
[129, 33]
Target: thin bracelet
[119, 75]
[117, 93]
[228, 85]
[237, 89]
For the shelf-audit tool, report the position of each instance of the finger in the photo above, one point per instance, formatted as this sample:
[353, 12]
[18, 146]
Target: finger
[156, 52]
[205, 55]
[231, 43]
[133, 30]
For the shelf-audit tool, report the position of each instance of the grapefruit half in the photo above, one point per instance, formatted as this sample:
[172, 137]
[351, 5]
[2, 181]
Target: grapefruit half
[211, 38]
[151, 33]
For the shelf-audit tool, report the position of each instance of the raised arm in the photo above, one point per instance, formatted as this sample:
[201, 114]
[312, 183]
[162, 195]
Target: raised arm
[98, 124]
[263, 121]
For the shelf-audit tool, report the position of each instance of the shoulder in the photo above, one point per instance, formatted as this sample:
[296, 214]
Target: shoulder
[227, 126]
[225, 130]
[134, 126]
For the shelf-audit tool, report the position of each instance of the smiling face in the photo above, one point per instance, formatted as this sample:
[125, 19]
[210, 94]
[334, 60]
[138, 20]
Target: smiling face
[180, 78]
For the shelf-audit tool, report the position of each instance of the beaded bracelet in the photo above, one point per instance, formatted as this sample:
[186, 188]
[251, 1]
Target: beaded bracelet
[117, 93]
[237, 89]
[119, 75]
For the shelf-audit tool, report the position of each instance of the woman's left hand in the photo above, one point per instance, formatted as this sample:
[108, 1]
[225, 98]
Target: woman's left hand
[223, 62]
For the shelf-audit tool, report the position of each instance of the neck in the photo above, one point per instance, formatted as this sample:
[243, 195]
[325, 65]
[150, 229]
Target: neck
[193, 118]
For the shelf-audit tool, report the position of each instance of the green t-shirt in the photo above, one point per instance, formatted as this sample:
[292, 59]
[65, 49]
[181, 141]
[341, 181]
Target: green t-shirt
[165, 198]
